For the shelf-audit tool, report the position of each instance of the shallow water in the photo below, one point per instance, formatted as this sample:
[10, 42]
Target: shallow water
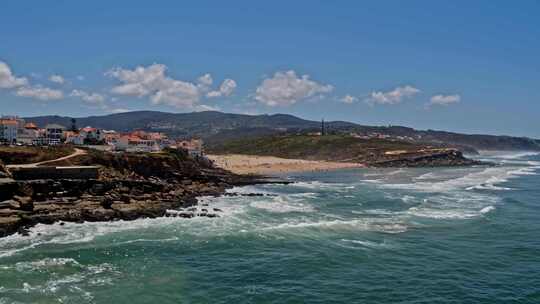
[456, 235]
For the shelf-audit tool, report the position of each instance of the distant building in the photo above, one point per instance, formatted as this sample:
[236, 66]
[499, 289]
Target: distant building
[194, 147]
[74, 138]
[54, 134]
[28, 135]
[92, 134]
[130, 143]
[111, 137]
[8, 130]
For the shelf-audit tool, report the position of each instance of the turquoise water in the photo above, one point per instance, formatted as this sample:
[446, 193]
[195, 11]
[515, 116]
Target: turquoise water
[456, 235]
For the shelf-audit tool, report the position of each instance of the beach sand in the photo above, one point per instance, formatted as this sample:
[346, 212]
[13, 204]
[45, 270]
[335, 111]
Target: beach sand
[269, 165]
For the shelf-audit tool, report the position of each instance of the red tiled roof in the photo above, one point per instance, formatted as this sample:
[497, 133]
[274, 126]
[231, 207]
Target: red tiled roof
[8, 122]
[30, 125]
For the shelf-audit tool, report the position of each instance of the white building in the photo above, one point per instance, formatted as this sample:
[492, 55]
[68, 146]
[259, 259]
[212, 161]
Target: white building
[28, 134]
[92, 134]
[136, 144]
[8, 131]
[54, 134]
[74, 138]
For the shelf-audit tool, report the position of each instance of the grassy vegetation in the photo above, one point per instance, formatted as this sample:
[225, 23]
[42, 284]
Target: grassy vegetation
[331, 147]
[27, 155]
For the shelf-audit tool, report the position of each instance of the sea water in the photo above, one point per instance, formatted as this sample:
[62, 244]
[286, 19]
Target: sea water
[430, 235]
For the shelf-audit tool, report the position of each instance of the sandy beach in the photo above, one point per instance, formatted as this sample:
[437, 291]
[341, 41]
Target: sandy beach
[269, 165]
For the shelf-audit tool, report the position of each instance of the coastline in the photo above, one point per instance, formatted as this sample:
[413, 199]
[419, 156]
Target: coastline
[270, 165]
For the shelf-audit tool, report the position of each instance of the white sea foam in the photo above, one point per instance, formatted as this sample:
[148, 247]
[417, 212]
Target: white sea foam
[372, 181]
[376, 212]
[516, 155]
[369, 244]
[485, 179]
[388, 226]
[281, 204]
[442, 213]
[487, 209]
[319, 185]
[90, 275]
[46, 263]
[429, 175]
[73, 233]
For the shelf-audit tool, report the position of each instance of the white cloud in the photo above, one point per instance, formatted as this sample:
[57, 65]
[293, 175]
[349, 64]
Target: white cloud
[57, 79]
[151, 81]
[203, 107]
[80, 77]
[8, 80]
[92, 98]
[393, 97]
[39, 92]
[119, 110]
[226, 88]
[286, 88]
[348, 99]
[444, 100]
[205, 80]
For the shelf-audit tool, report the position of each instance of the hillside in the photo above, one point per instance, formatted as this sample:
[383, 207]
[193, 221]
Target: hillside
[217, 127]
[343, 148]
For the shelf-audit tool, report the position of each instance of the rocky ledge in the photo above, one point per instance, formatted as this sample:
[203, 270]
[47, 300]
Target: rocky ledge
[439, 158]
[130, 187]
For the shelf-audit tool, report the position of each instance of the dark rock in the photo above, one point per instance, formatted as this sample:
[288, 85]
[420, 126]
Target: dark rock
[10, 204]
[25, 203]
[9, 225]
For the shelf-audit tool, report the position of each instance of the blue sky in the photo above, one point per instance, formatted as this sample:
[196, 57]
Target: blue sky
[463, 66]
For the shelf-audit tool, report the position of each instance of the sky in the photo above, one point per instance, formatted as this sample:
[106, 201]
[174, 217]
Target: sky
[465, 66]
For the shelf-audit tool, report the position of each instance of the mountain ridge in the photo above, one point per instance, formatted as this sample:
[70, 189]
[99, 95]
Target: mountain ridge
[215, 126]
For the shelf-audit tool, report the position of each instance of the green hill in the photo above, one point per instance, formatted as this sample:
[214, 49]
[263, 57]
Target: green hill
[342, 148]
[217, 127]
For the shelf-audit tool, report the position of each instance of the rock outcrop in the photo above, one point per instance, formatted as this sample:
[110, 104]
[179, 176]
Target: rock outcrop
[439, 158]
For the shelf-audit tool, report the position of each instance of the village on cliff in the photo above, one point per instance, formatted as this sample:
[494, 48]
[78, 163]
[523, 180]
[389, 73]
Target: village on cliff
[17, 131]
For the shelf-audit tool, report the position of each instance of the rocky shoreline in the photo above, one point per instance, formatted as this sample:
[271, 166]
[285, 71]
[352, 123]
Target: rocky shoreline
[24, 204]
[126, 194]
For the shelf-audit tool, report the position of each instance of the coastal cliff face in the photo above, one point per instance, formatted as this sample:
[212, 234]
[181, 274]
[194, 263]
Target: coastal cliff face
[130, 186]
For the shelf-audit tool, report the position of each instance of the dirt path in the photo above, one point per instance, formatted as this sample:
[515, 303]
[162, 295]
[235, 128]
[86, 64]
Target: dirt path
[74, 154]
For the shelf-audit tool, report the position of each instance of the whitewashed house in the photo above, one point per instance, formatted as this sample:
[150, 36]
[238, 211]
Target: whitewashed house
[131, 143]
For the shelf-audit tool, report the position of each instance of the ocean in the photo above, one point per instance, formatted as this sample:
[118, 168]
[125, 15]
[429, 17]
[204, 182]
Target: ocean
[426, 235]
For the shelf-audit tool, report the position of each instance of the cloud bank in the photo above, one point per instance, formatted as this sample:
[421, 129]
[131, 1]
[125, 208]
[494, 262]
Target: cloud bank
[152, 81]
[286, 88]
[395, 96]
[8, 80]
[444, 100]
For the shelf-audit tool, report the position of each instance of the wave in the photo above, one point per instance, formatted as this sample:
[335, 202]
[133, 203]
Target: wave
[516, 155]
[486, 179]
[388, 226]
[73, 233]
[64, 275]
[487, 209]
[280, 204]
[448, 213]
[369, 244]
[320, 185]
